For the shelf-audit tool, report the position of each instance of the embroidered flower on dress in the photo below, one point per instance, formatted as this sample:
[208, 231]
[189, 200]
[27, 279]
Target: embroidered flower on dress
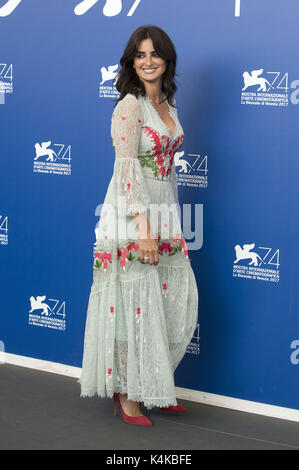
[123, 259]
[164, 290]
[160, 160]
[103, 257]
[165, 247]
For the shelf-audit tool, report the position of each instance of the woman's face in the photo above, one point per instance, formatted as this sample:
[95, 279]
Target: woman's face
[148, 65]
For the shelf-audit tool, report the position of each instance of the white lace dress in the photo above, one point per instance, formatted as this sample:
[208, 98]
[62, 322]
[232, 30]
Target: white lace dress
[140, 317]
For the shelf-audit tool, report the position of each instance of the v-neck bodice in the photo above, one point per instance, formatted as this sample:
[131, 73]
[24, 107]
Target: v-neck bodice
[153, 118]
[159, 116]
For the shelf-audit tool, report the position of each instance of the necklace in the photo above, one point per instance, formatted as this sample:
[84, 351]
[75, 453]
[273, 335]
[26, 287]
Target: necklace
[158, 114]
[153, 101]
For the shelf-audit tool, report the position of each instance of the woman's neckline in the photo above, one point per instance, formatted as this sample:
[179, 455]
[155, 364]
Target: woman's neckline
[163, 122]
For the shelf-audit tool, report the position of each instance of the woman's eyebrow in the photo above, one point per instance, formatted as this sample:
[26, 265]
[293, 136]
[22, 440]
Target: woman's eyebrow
[143, 51]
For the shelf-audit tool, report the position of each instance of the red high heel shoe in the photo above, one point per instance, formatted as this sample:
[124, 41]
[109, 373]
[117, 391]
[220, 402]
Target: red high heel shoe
[142, 420]
[174, 408]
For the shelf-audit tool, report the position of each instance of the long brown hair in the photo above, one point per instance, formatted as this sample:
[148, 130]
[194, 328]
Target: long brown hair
[128, 80]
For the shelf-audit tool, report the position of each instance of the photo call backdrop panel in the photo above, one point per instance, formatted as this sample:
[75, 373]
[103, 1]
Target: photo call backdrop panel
[238, 103]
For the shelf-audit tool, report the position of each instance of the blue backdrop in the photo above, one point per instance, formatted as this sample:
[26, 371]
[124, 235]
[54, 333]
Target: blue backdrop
[238, 94]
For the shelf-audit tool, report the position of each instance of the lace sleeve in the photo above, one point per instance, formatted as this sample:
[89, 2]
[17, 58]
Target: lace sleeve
[126, 124]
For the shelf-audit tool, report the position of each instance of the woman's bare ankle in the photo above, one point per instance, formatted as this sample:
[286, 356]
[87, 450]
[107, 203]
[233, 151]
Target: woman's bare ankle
[131, 407]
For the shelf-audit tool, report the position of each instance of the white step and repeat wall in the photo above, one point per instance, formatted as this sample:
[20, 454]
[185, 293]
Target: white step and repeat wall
[238, 96]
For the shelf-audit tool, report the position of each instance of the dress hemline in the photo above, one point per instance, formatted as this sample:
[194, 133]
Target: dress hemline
[149, 403]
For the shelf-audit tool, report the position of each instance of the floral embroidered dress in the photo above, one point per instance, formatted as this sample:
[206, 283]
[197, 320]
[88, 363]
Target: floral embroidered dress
[140, 317]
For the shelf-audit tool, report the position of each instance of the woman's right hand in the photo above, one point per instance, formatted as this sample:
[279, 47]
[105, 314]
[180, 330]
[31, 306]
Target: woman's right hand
[147, 244]
[149, 249]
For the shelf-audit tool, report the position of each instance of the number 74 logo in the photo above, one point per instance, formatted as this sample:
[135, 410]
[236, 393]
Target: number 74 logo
[110, 8]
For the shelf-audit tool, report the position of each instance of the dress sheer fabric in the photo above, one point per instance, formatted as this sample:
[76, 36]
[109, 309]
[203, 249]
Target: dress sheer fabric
[140, 317]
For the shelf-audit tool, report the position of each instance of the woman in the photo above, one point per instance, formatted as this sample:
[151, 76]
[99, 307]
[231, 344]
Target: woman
[143, 303]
